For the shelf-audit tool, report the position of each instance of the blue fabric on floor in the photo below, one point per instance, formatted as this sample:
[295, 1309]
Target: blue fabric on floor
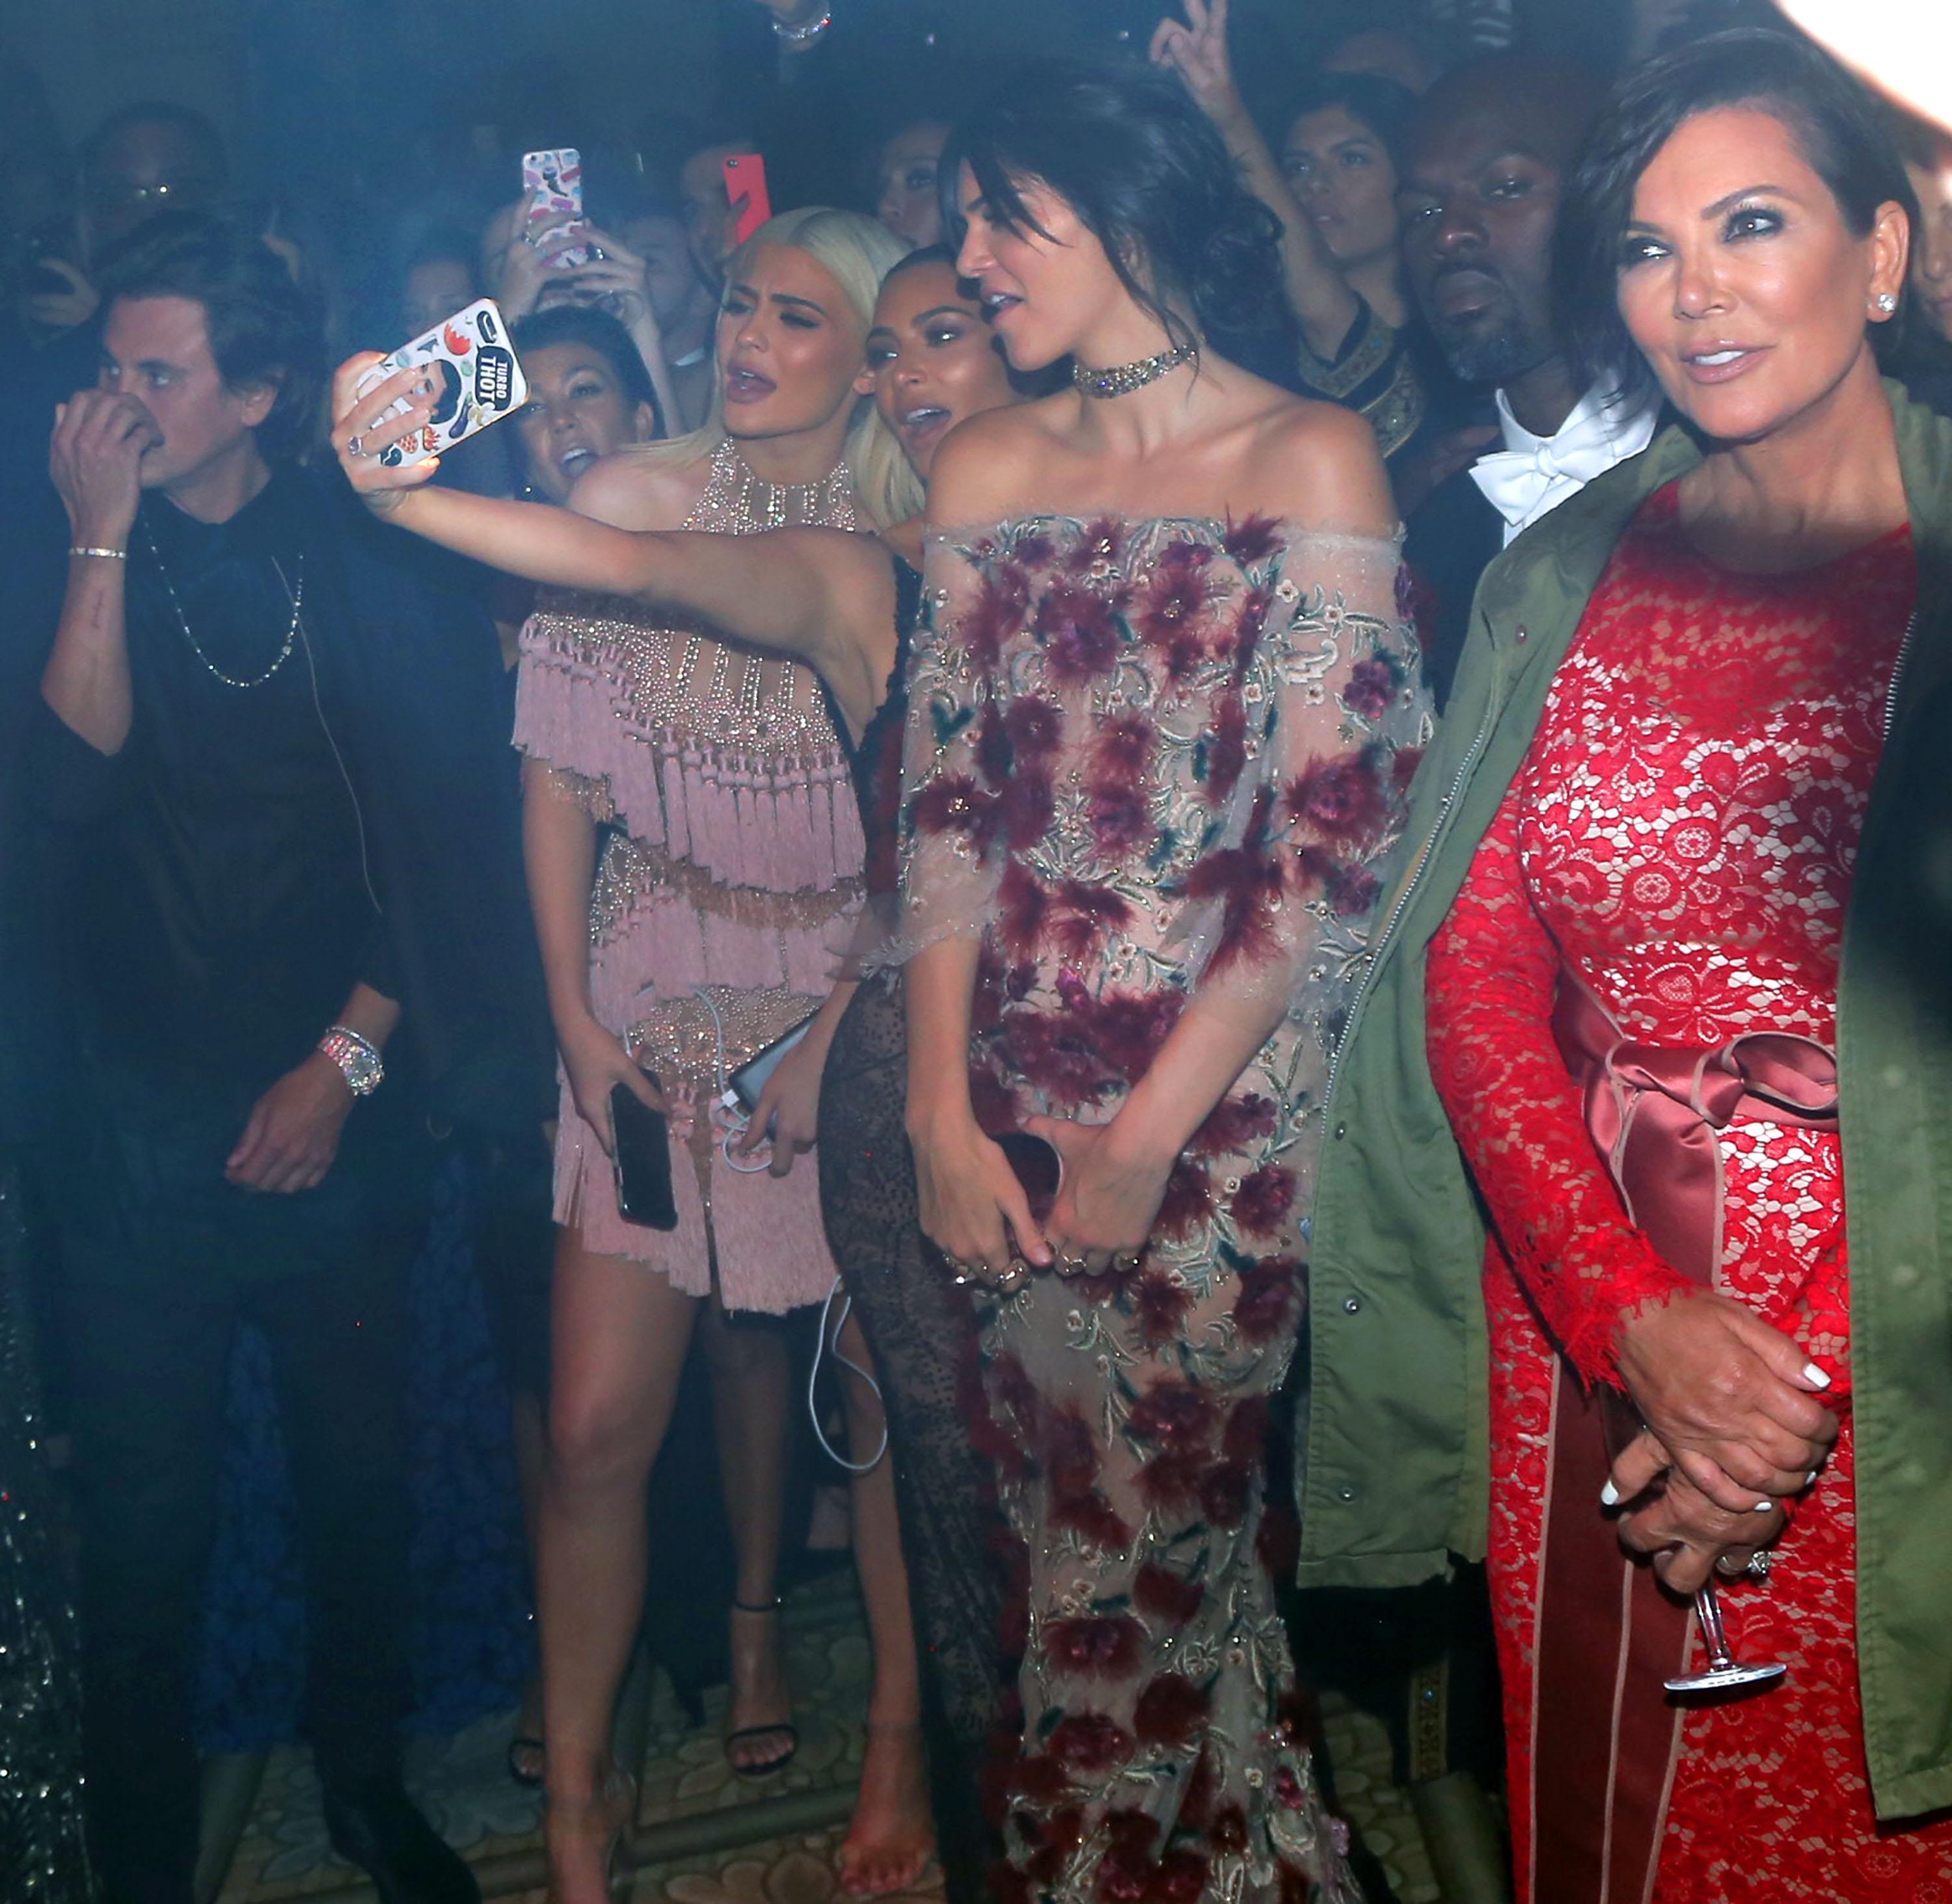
[472, 1640]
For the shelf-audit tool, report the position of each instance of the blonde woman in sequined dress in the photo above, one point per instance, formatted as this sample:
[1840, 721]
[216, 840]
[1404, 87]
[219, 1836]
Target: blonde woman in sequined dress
[729, 871]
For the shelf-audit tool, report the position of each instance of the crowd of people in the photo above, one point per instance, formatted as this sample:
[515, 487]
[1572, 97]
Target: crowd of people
[1312, 770]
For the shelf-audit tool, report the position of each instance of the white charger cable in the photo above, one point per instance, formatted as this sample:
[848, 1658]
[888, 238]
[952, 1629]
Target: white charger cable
[831, 1326]
[738, 1121]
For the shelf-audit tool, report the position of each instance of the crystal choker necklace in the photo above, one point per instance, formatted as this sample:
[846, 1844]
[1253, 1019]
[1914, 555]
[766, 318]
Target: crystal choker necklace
[736, 501]
[1122, 379]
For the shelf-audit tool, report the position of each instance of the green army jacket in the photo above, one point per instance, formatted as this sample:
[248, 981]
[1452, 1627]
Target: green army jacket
[1392, 1459]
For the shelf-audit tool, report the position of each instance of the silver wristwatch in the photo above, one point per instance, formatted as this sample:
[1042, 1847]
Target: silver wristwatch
[358, 1061]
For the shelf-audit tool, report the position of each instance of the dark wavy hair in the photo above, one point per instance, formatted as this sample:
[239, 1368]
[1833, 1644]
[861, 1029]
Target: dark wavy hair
[594, 330]
[1386, 106]
[264, 328]
[1843, 132]
[1144, 170]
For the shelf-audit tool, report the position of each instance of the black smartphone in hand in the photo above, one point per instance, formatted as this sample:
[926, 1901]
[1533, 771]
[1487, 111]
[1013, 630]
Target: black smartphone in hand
[642, 1158]
[1039, 1168]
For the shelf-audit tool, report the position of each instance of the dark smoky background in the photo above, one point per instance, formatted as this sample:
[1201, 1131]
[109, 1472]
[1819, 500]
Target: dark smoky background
[356, 124]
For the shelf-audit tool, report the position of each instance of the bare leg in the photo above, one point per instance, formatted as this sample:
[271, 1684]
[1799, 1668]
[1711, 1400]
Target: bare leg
[529, 1433]
[752, 1400]
[891, 1837]
[620, 1335]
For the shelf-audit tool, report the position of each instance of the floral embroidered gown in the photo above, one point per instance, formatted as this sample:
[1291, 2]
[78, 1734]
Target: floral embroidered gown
[1145, 757]
[1683, 831]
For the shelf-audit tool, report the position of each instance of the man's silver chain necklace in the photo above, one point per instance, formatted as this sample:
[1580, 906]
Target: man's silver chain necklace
[284, 654]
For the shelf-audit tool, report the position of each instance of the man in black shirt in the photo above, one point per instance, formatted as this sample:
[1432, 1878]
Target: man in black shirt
[259, 733]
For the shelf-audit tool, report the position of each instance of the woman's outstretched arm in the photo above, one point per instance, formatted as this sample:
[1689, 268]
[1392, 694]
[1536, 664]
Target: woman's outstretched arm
[821, 594]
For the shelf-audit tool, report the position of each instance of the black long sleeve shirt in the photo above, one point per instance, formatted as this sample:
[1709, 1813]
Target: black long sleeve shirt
[222, 907]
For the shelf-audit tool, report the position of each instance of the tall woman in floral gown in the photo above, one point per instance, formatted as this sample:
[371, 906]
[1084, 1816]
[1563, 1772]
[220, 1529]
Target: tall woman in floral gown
[1653, 1020]
[1160, 708]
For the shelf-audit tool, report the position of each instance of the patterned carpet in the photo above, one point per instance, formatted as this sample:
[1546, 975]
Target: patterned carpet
[703, 1836]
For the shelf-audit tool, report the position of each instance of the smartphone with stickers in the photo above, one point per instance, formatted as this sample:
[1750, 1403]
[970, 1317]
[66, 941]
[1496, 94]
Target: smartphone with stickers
[554, 221]
[745, 175]
[478, 381]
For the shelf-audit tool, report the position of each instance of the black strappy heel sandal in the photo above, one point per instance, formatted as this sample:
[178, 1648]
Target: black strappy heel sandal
[765, 1768]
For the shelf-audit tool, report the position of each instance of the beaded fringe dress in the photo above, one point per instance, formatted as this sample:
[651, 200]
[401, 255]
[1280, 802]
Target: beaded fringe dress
[730, 866]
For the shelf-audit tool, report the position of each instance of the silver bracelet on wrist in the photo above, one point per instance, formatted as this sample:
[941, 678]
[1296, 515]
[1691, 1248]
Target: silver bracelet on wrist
[358, 1059]
[106, 555]
[806, 34]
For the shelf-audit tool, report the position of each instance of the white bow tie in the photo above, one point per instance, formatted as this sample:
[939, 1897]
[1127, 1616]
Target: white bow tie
[1523, 485]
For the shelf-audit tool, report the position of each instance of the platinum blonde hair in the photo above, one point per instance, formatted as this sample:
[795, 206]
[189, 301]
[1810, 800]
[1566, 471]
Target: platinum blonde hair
[857, 251]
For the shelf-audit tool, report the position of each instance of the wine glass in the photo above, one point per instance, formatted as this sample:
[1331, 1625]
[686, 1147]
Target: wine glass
[1724, 1671]
[1621, 1422]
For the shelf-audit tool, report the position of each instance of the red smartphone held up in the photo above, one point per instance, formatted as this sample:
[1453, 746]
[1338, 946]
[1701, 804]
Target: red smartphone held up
[746, 187]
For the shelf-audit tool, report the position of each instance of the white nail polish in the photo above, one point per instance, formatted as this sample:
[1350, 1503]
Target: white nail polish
[1763, 1507]
[1809, 1480]
[1609, 1496]
[1815, 1376]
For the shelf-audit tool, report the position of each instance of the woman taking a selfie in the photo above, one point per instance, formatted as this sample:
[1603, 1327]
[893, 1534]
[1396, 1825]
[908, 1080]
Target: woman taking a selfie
[1687, 930]
[1153, 756]
[843, 603]
[732, 854]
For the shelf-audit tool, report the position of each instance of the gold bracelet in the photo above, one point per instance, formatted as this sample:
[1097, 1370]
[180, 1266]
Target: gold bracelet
[108, 555]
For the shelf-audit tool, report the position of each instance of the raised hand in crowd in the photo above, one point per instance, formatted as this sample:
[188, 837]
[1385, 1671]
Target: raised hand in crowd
[1198, 53]
[618, 280]
[615, 277]
[521, 280]
[1317, 292]
[516, 270]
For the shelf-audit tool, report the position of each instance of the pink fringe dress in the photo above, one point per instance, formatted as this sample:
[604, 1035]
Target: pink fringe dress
[730, 866]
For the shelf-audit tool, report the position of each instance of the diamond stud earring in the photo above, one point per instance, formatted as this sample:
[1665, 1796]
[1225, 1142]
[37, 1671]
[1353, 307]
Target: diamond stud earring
[1886, 303]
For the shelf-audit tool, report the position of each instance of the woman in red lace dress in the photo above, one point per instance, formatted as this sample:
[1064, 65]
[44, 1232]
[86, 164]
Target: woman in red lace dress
[1633, 1011]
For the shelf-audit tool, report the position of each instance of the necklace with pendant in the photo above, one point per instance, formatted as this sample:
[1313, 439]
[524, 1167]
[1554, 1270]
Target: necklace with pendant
[1121, 380]
[284, 653]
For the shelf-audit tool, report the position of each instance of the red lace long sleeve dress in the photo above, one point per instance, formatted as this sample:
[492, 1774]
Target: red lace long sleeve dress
[1148, 762]
[1681, 836]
